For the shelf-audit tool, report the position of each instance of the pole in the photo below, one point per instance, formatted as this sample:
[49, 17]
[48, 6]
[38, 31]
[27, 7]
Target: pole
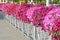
[47, 2]
[31, 0]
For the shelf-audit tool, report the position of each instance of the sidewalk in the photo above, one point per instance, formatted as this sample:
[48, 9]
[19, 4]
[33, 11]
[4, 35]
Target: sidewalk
[8, 32]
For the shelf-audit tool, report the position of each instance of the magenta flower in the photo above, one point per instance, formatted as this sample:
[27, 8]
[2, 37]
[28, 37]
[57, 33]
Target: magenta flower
[20, 13]
[52, 22]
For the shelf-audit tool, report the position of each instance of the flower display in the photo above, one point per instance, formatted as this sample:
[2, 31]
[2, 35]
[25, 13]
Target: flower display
[47, 18]
[52, 23]
[36, 15]
[5, 8]
[1, 6]
[21, 13]
[12, 7]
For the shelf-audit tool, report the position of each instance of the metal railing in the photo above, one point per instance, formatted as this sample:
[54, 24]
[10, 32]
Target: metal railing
[28, 30]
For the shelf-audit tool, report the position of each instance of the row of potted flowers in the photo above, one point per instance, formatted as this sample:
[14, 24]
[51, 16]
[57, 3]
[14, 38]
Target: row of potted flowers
[47, 18]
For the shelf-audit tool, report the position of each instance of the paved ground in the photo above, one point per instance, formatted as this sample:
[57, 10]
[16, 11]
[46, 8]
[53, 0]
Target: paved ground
[7, 32]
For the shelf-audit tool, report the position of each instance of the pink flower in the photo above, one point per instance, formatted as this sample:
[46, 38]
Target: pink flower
[55, 38]
[12, 7]
[52, 22]
[5, 8]
[20, 13]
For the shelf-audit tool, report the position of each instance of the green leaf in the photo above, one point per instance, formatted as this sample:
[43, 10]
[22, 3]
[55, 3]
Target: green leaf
[16, 1]
[55, 1]
[26, 1]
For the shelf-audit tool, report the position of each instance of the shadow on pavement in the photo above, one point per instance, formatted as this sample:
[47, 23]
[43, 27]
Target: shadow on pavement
[1, 16]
